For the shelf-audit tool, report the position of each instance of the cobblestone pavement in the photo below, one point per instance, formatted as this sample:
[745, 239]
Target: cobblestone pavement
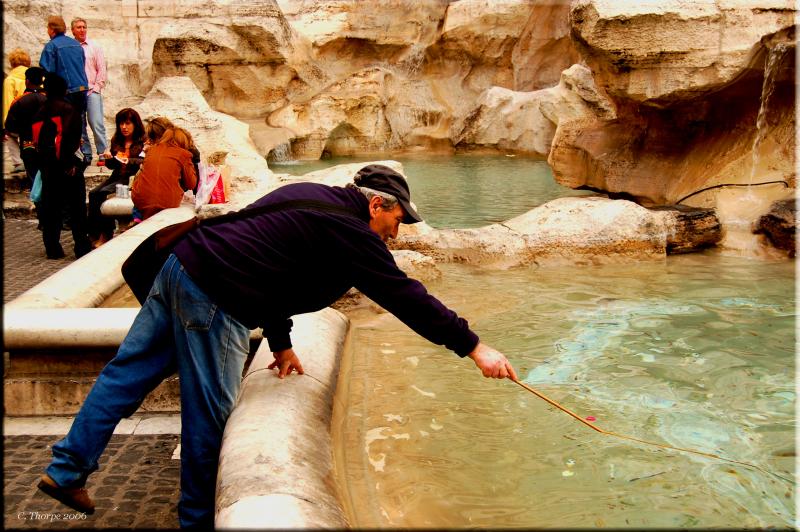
[24, 262]
[137, 485]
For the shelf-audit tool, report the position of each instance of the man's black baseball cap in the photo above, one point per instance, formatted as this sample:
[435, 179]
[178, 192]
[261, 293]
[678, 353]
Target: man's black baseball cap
[384, 179]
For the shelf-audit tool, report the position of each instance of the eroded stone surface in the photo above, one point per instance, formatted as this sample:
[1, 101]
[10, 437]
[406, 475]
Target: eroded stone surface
[779, 225]
[562, 231]
[655, 85]
[675, 71]
[630, 99]
[178, 99]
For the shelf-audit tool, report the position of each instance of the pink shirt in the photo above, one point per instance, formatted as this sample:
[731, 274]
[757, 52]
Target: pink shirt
[95, 66]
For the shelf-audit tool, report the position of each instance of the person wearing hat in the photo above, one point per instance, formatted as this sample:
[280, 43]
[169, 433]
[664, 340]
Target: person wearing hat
[308, 248]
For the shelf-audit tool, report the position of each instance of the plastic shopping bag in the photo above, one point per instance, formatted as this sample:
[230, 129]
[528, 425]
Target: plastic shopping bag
[36, 188]
[219, 194]
[209, 186]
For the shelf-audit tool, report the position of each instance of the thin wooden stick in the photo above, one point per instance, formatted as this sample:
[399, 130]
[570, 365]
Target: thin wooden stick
[662, 445]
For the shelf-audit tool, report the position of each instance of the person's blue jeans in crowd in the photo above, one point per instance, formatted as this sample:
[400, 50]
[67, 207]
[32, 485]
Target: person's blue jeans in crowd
[95, 120]
[178, 327]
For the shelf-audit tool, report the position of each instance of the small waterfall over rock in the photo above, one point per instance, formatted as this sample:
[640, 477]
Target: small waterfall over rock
[774, 56]
[739, 209]
[281, 154]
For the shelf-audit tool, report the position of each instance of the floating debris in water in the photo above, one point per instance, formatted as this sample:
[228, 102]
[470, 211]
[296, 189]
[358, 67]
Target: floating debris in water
[591, 418]
[567, 473]
[647, 476]
[646, 357]
[423, 392]
[570, 462]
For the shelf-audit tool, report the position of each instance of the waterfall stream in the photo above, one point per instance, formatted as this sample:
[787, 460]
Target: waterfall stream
[768, 87]
[281, 154]
[739, 209]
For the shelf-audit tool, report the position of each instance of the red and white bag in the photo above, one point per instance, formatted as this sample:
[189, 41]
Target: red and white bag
[211, 185]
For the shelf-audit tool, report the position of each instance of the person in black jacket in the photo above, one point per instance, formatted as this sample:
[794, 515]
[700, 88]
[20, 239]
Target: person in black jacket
[124, 157]
[299, 249]
[20, 119]
[56, 133]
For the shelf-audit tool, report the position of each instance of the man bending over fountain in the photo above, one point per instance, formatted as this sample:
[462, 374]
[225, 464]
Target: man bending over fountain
[298, 250]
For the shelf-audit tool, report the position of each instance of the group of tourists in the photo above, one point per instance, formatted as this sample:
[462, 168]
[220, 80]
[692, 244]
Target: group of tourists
[47, 111]
[295, 250]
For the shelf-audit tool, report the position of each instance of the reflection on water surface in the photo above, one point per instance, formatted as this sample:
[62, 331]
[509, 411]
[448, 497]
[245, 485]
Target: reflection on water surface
[696, 351]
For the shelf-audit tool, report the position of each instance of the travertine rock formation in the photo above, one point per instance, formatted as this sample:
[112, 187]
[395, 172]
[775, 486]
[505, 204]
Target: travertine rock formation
[545, 47]
[580, 230]
[345, 119]
[687, 80]
[779, 225]
[217, 135]
[650, 101]
[527, 121]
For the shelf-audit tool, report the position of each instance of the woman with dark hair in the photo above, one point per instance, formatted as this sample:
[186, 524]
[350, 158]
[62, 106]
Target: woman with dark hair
[123, 158]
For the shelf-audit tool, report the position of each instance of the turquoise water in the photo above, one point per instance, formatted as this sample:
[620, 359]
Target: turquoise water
[465, 190]
[695, 352]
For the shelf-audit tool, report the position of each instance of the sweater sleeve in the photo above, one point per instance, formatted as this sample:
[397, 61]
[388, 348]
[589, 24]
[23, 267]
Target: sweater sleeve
[8, 96]
[277, 334]
[377, 275]
[113, 163]
[100, 64]
[47, 58]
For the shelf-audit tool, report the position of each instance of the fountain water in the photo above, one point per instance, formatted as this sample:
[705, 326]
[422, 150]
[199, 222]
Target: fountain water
[767, 88]
[739, 209]
[281, 154]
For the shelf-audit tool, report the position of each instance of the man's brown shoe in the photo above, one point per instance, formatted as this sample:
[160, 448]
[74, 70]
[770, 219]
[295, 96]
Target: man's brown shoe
[75, 498]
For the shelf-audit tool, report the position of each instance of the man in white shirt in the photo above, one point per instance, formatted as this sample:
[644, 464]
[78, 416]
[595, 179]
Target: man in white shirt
[96, 75]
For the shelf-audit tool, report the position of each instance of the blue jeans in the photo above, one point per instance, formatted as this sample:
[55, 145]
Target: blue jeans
[179, 327]
[94, 117]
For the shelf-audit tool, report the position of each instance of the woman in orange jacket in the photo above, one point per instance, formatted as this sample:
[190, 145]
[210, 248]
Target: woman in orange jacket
[167, 172]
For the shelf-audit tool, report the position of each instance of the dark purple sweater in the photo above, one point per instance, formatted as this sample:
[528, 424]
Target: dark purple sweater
[266, 268]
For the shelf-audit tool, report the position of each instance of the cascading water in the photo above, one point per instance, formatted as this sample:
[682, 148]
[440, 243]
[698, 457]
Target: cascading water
[739, 209]
[281, 154]
[767, 88]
